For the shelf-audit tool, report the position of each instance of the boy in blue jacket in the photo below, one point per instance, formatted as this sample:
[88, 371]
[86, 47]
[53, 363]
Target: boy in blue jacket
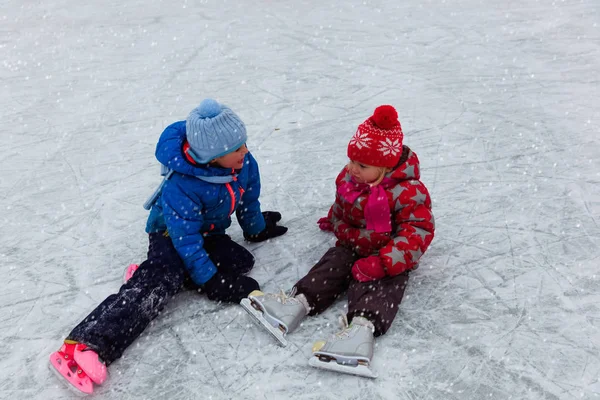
[209, 175]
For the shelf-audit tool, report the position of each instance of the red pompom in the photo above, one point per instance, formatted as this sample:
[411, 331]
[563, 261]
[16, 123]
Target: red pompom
[385, 117]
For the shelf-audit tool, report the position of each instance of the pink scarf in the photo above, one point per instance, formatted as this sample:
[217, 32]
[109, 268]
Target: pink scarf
[377, 209]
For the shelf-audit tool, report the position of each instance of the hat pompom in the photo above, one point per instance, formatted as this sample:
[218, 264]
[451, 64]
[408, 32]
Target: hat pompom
[209, 108]
[385, 117]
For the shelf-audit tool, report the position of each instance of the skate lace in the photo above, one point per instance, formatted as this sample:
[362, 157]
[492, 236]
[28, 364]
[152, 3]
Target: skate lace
[282, 297]
[343, 321]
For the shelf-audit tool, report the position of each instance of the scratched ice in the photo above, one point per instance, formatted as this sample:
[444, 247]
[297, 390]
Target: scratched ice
[498, 99]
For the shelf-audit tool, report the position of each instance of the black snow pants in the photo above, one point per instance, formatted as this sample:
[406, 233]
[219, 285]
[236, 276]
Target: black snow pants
[123, 316]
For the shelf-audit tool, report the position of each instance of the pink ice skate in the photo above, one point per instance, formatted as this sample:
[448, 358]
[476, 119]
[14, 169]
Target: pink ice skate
[79, 366]
[130, 271]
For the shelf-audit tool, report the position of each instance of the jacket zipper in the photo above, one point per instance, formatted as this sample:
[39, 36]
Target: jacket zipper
[232, 194]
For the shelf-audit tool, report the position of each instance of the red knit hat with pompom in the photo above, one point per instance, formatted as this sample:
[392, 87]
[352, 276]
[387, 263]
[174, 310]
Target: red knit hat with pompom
[378, 140]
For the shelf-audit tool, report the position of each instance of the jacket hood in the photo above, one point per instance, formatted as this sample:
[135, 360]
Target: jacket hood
[170, 153]
[407, 168]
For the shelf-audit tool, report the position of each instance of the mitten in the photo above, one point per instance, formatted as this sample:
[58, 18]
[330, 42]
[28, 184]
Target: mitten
[368, 269]
[229, 288]
[271, 228]
[325, 224]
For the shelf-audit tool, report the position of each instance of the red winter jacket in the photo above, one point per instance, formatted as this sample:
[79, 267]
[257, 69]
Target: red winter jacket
[413, 224]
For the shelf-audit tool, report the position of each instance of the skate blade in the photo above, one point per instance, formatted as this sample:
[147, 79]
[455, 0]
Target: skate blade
[258, 317]
[358, 370]
[70, 385]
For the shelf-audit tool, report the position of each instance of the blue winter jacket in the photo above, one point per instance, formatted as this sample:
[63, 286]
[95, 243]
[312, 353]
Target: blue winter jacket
[199, 199]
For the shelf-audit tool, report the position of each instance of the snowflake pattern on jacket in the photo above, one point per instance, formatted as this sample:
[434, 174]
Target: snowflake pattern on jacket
[413, 224]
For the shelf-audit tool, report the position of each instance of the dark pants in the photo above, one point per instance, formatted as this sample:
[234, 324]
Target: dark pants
[123, 316]
[377, 301]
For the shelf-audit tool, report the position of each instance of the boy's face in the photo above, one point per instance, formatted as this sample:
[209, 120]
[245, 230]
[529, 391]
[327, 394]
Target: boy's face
[234, 160]
[363, 173]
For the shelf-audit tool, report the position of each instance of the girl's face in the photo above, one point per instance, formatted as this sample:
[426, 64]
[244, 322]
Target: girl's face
[234, 160]
[364, 173]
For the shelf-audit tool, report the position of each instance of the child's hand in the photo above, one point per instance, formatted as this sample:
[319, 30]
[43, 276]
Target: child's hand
[271, 229]
[271, 217]
[325, 224]
[368, 269]
[231, 288]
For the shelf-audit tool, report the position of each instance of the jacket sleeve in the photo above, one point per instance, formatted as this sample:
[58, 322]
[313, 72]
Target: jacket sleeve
[415, 228]
[338, 180]
[248, 212]
[183, 217]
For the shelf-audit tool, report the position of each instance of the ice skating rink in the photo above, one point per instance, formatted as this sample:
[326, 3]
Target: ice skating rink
[498, 98]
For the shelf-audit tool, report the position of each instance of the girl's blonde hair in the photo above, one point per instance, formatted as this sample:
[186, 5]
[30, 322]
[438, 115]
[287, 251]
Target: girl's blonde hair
[382, 172]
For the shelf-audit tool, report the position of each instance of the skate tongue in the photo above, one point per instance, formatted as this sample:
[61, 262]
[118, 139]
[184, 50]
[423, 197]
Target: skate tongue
[343, 321]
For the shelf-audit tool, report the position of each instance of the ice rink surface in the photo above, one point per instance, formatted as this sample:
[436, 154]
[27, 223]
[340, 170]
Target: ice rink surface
[498, 98]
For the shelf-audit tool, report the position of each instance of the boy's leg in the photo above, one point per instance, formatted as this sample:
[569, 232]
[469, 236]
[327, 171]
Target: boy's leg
[328, 279]
[229, 257]
[377, 301]
[123, 316]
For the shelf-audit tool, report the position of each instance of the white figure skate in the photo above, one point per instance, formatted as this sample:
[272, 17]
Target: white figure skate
[349, 351]
[278, 313]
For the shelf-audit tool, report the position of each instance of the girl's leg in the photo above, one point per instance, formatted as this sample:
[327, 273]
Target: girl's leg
[377, 301]
[123, 316]
[281, 314]
[328, 279]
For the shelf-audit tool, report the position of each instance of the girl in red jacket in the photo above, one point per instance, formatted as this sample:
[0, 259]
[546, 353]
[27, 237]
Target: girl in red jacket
[383, 223]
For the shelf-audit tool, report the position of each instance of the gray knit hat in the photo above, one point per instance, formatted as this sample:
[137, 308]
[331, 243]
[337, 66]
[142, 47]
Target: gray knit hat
[213, 130]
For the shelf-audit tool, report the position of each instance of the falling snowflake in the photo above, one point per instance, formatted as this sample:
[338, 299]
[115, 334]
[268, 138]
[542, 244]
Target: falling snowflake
[360, 139]
[389, 146]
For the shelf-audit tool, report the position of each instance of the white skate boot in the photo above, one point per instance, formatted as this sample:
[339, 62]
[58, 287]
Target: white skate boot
[278, 313]
[349, 351]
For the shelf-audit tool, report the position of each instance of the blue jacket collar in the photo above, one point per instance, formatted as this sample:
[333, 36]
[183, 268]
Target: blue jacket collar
[171, 152]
